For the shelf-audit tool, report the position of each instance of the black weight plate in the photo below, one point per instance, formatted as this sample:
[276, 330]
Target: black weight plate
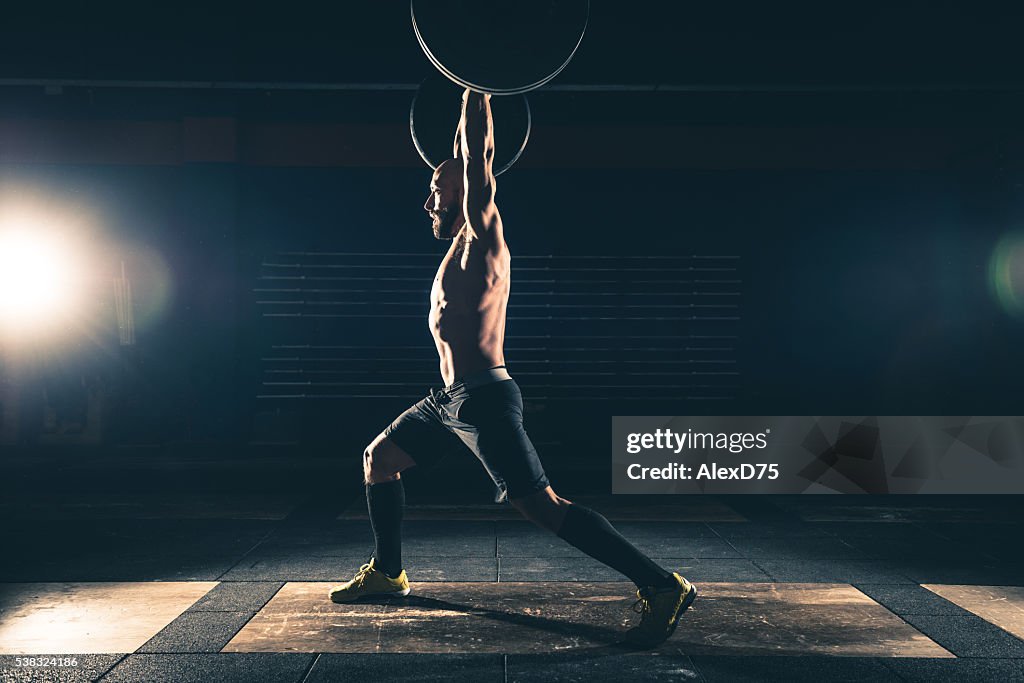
[502, 47]
[434, 120]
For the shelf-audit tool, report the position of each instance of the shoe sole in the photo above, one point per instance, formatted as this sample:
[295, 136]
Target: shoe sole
[687, 601]
[396, 594]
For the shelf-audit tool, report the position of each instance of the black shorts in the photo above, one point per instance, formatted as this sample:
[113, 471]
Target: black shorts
[486, 420]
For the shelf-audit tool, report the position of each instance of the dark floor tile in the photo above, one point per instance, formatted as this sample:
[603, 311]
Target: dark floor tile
[108, 534]
[197, 632]
[793, 669]
[269, 667]
[992, 529]
[600, 665]
[247, 596]
[589, 569]
[419, 568]
[544, 544]
[555, 569]
[95, 567]
[672, 508]
[933, 549]
[451, 546]
[967, 636]
[441, 529]
[439, 668]
[832, 571]
[796, 548]
[910, 599]
[884, 511]
[421, 511]
[632, 529]
[980, 572]
[294, 568]
[1005, 551]
[756, 529]
[761, 508]
[535, 544]
[85, 668]
[361, 548]
[673, 530]
[451, 569]
[892, 530]
[440, 538]
[964, 670]
[698, 548]
[321, 533]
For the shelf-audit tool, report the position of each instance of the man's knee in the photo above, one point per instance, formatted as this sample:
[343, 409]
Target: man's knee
[544, 508]
[383, 460]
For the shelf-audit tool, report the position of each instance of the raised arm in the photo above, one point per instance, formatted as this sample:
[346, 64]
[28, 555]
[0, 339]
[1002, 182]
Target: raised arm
[476, 136]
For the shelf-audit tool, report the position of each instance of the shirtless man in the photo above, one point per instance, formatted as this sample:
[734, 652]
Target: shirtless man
[480, 408]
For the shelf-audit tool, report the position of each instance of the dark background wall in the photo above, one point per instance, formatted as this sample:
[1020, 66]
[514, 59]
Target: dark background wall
[858, 168]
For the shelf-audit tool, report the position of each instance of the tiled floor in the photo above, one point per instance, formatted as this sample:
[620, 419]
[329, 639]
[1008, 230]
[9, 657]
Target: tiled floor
[522, 618]
[688, 509]
[792, 589]
[90, 617]
[1000, 605]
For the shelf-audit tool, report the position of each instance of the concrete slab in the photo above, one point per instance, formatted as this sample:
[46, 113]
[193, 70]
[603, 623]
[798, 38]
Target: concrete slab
[202, 668]
[537, 618]
[999, 605]
[600, 665]
[967, 636]
[408, 668]
[88, 618]
[64, 667]
[813, 669]
[963, 670]
[980, 571]
[909, 599]
[197, 632]
[243, 596]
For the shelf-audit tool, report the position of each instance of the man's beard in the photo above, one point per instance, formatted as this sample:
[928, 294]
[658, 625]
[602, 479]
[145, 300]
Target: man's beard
[443, 224]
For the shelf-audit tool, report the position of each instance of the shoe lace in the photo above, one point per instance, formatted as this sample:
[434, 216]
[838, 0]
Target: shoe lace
[361, 575]
[643, 604]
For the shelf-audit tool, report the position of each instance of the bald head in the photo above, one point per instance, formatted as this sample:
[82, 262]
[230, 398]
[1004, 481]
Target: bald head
[445, 201]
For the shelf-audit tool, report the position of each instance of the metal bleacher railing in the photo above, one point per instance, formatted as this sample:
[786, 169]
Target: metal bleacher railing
[596, 327]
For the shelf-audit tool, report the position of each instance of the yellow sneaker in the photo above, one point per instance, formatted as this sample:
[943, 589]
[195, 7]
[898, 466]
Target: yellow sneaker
[660, 612]
[369, 581]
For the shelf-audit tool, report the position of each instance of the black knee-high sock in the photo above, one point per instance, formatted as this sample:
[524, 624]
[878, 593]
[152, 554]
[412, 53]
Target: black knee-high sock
[386, 502]
[593, 534]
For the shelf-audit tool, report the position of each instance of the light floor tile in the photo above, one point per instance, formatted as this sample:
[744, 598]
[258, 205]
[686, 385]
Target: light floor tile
[87, 618]
[999, 605]
[728, 619]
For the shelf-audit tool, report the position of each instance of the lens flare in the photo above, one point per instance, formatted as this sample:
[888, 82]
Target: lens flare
[1006, 273]
[152, 284]
[36, 278]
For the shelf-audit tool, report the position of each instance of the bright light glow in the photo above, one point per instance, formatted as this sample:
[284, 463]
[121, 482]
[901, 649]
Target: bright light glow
[1006, 273]
[37, 278]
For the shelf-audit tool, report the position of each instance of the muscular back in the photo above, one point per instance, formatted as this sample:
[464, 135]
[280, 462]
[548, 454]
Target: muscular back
[468, 301]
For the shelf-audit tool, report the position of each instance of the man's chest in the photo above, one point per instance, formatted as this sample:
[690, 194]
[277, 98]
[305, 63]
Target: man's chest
[462, 274]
